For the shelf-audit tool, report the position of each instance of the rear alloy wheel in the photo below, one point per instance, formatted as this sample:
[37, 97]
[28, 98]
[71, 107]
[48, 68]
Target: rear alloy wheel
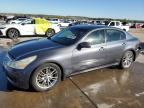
[50, 32]
[127, 60]
[13, 33]
[46, 77]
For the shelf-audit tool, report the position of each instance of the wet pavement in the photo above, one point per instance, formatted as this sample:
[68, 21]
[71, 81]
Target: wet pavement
[103, 88]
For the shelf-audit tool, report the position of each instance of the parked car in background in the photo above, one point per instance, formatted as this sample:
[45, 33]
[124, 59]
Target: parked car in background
[54, 20]
[8, 19]
[43, 63]
[99, 22]
[75, 23]
[118, 24]
[64, 23]
[139, 25]
[29, 27]
[80, 23]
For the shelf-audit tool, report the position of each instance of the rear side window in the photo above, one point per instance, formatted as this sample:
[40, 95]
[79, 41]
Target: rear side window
[114, 35]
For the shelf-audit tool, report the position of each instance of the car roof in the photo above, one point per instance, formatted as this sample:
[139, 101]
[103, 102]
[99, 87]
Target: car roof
[92, 27]
[89, 27]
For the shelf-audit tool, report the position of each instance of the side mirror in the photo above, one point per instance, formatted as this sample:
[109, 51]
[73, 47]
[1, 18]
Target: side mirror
[84, 45]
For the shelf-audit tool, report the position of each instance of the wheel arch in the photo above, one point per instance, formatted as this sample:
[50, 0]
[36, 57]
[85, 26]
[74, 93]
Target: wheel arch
[51, 29]
[63, 76]
[12, 28]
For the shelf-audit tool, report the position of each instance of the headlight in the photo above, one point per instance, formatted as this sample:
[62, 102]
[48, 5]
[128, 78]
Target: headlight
[21, 64]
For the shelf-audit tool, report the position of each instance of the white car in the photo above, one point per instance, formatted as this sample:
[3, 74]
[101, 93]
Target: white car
[64, 24]
[118, 24]
[54, 20]
[17, 20]
[27, 27]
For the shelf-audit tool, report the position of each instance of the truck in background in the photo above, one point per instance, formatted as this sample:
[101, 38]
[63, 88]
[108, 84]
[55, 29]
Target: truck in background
[118, 24]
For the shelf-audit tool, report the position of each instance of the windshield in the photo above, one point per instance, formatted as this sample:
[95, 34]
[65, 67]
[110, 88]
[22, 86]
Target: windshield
[69, 36]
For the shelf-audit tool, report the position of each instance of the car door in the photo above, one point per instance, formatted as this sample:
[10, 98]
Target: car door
[115, 44]
[94, 56]
[28, 27]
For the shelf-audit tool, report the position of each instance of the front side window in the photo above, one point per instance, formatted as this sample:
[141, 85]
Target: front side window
[69, 36]
[96, 37]
[114, 35]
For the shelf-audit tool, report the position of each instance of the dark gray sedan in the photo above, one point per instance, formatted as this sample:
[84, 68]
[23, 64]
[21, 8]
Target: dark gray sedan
[42, 63]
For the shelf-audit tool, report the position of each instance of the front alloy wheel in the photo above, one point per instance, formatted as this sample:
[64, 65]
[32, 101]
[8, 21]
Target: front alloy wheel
[46, 77]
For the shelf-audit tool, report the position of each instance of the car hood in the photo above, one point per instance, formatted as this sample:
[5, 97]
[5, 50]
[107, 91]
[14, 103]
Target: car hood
[32, 46]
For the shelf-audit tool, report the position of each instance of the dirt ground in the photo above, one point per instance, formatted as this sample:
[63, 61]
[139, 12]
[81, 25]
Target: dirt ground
[103, 88]
[138, 33]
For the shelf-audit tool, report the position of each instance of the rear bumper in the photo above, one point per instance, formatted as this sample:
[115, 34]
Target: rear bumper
[137, 53]
[142, 47]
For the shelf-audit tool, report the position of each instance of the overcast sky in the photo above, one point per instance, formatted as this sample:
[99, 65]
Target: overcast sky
[130, 9]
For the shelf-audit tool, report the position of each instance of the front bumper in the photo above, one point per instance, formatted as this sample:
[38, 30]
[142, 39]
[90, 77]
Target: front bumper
[17, 77]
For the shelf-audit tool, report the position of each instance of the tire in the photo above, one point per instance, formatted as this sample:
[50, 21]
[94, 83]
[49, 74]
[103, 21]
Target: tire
[45, 77]
[50, 32]
[127, 60]
[13, 33]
